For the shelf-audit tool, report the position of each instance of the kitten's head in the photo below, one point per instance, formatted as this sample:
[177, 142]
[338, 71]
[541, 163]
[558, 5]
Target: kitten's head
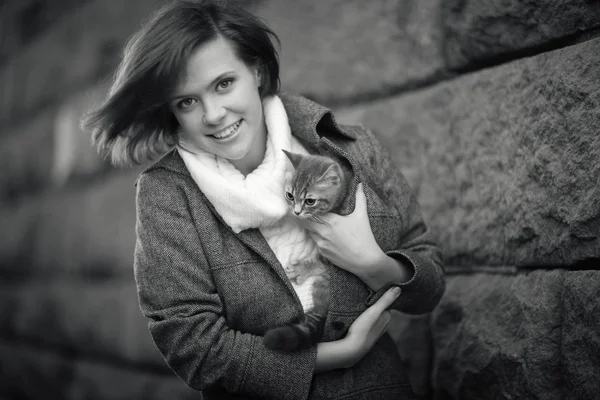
[317, 186]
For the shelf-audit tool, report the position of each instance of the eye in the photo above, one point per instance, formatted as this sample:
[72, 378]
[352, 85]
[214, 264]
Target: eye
[186, 103]
[289, 196]
[224, 84]
[310, 202]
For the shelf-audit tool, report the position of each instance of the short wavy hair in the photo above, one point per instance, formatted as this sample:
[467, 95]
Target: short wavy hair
[135, 123]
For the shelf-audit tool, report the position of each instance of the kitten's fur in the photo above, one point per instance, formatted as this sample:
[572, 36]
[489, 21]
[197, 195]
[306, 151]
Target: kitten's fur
[317, 187]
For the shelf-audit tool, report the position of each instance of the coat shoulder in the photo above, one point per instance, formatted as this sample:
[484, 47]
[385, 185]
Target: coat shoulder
[169, 164]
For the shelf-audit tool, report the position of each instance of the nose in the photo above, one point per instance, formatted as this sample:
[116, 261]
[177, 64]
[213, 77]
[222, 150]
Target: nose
[297, 212]
[297, 209]
[214, 112]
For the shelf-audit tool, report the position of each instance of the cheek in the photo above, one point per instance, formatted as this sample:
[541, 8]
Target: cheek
[191, 125]
[252, 104]
[321, 207]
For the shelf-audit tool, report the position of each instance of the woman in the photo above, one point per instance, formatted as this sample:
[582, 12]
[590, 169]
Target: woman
[201, 79]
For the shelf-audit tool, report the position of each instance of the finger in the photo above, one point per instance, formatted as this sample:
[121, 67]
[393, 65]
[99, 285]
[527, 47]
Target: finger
[387, 299]
[361, 199]
[380, 327]
[385, 318]
[375, 311]
[381, 334]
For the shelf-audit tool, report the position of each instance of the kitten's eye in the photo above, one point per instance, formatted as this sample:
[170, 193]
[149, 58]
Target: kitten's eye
[309, 202]
[289, 196]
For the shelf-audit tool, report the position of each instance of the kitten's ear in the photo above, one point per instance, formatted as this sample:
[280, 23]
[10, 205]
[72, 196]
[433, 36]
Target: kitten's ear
[293, 157]
[333, 175]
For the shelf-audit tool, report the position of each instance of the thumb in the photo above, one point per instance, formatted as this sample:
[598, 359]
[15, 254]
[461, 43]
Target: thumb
[387, 299]
[361, 199]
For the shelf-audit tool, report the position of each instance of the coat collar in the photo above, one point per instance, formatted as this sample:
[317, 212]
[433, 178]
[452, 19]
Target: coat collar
[308, 120]
[305, 116]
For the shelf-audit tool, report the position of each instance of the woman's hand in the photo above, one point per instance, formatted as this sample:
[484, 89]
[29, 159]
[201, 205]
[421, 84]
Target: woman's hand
[366, 330]
[361, 337]
[347, 241]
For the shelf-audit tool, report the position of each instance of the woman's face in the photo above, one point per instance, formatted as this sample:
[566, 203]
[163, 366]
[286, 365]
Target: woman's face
[218, 105]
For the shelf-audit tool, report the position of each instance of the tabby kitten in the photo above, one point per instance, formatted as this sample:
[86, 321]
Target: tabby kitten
[318, 186]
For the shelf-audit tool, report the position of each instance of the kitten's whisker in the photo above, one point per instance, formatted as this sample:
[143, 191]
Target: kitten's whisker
[323, 220]
[317, 219]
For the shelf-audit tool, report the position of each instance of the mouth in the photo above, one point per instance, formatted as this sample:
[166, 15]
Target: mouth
[228, 132]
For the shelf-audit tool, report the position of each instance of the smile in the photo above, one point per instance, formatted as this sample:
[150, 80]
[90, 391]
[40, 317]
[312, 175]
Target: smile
[228, 132]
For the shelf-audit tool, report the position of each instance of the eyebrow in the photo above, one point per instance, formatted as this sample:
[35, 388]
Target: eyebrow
[214, 81]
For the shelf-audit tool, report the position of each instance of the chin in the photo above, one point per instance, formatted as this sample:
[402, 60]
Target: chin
[236, 155]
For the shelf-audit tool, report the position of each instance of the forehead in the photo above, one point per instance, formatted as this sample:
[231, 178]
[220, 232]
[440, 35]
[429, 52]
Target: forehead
[207, 62]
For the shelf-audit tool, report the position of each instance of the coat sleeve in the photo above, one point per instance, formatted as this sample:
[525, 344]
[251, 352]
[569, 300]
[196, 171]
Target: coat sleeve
[187, 319]
[415, 244]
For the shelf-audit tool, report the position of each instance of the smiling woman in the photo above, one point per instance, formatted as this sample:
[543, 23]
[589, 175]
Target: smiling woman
[199, 86]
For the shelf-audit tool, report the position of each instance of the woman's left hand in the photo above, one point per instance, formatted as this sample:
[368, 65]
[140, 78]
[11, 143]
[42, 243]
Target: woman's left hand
[348, 241]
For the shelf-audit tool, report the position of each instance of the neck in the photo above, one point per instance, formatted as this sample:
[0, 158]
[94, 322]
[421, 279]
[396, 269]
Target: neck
[255, 155]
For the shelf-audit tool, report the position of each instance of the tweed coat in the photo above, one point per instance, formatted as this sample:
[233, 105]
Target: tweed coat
[210, 294]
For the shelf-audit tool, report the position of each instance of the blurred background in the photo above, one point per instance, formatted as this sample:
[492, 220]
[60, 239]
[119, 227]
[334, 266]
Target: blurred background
[490, 109]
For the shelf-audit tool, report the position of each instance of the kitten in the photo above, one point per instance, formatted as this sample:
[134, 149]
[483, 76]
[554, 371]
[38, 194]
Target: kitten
[318, 186]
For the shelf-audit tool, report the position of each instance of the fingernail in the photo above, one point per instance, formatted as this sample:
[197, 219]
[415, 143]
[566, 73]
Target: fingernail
[396, 291]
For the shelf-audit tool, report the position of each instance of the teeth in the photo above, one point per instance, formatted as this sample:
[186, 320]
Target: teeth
[228, 132]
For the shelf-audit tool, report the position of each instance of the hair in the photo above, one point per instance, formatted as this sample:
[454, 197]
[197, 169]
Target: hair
[135, 123]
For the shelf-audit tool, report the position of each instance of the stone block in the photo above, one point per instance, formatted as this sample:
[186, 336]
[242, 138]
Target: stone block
[30, 372]
[339, 51]
[74, 154]
[50, 149]
[21, 21]
[26, 157]
[107, 382]
[479, 31]
[94, 319]
[74, 53]
[581, 334]
[17, 234]
[504, 160]
[85, 231]
[499, 336]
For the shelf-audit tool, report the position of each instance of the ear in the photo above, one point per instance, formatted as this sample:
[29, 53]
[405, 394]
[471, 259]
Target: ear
[257, 75]
[293, 157]
[333, 175]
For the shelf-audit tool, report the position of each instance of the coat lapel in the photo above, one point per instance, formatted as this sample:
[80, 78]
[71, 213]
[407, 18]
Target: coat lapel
[257, 242]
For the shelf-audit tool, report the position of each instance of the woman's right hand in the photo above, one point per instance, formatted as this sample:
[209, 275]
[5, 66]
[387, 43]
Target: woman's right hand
[366, 330]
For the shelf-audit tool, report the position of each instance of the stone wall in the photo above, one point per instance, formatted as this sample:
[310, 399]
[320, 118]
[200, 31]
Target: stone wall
[489, 109]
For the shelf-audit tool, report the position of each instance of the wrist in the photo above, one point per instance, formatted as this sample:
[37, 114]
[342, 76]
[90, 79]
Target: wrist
[370, 269]
[364, 263]
[384, 269]
[338, 354]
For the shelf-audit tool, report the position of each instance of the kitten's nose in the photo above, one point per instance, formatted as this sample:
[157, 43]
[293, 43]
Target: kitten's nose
[297, 212]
